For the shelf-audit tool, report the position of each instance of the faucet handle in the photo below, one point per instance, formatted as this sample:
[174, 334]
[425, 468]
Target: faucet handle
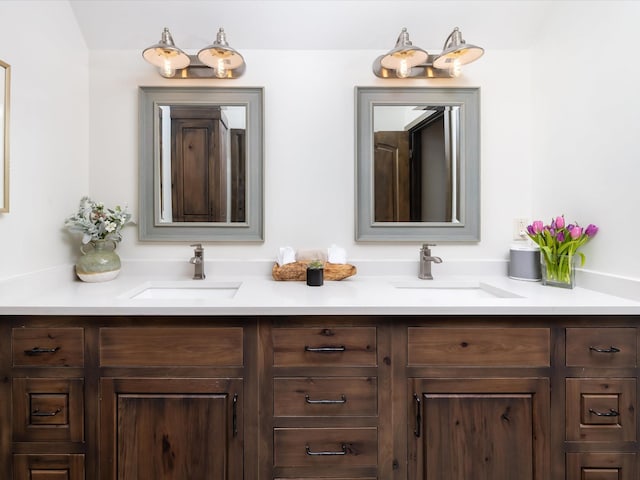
[425, 247]
[198, 248]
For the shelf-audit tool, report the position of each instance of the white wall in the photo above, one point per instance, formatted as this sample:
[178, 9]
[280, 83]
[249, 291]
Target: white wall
[558, 130]
[49, 137]
[587, 110]
[309, 142]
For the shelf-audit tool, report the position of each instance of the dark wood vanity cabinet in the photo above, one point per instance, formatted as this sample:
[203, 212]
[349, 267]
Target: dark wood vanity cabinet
[128, 398]
[478, 400]
[319, 397]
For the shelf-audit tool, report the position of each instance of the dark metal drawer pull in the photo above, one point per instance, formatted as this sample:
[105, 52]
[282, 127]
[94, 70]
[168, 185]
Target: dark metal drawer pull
[39, 351]
[38, 413]
[610, 413]
[343, 399]
[611, 349]
[416, 400]
[339, 348]
[342, 452]
[234, 419]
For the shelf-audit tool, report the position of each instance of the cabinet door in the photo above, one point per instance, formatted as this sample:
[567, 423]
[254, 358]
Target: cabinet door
[484, 429]
[48, 467]
[172, 429]
[601, 466]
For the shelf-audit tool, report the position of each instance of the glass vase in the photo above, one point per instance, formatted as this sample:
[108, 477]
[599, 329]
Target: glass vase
[99, 261]
[558, 270]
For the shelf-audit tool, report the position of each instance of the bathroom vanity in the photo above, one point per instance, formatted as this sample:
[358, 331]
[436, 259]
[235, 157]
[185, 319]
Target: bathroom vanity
[309, 397]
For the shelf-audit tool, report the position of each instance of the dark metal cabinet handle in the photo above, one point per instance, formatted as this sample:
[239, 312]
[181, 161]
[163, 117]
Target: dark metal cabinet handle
[38, 413]
[40, 351]
[339, 348]
[343, 399]
[234, 420]
[610, 413]
[341, 452]
[611, 349]
[417, 402]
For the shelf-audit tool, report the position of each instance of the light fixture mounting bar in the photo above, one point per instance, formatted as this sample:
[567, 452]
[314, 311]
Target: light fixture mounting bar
[197, 69]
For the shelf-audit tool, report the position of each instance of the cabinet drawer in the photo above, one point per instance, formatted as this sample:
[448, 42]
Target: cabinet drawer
[48, 467]
[319, 397]
[601, 347]
[528, 347]
[339, 346]
[325, 447]
[601, 409]
[601, 466]
[48, 347]
[221, 346]
[48, 409]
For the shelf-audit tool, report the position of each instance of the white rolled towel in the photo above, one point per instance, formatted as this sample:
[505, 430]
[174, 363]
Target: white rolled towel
[286, 255]
[337, 255]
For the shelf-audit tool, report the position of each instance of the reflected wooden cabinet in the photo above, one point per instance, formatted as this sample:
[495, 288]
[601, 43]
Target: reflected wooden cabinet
[198, 164]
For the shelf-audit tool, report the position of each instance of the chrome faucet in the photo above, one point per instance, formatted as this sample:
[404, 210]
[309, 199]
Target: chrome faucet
[198, 261]
[425, 262]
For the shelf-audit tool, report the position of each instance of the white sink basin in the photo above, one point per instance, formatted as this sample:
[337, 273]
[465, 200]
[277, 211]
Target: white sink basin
[182, 290]
[443, 289]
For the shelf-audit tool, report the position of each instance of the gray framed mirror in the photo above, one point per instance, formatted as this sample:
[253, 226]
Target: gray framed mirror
[417, 164]
[5, 83]
[201, 164]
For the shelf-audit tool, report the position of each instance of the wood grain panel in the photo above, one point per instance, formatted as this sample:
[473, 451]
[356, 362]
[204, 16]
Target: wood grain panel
[337, 346]
[149, 346]
[479, 346]
[48, 347]
[601, 347]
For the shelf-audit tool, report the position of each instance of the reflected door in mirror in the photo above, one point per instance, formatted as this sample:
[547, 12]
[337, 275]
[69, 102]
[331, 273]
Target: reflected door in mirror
[198, 166]
[391, 177]
[415, 165]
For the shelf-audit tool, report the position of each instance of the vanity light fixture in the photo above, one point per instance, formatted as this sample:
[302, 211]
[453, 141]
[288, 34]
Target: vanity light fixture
[225, 61]
[407, 61]
[166, 56]
[217, 60]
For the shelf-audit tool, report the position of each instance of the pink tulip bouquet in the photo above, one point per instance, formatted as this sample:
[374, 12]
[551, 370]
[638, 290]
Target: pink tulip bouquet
[559, 243]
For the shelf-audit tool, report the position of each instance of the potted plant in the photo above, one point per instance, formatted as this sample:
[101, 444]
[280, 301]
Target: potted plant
[559, 243]
[100, 228]
[315, 273]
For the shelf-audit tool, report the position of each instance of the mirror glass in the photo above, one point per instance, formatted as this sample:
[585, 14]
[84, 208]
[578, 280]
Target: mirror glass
[5, 77]
[417, 159]
[201, 164]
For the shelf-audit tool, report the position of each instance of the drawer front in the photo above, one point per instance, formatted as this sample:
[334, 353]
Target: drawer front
[151, 347]
[601, 409]
[47, 410]
[48, 467]
[48, 347]
[601, 466]
[325, 447]
[601, 347]
[479, 346]
[339, 346]
[319, 397]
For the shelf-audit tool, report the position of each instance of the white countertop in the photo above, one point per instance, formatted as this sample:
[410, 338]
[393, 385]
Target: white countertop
[373, 291]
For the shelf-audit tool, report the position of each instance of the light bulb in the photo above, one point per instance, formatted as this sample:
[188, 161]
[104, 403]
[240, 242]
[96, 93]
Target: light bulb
[403, 69]
[221, 70]
[456, 68]
[167, 69]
